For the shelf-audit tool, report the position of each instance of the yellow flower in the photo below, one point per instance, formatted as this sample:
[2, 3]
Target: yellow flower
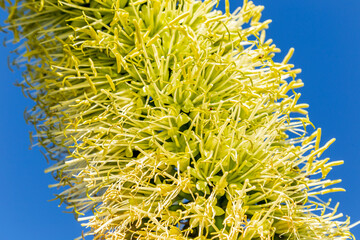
[171, 120]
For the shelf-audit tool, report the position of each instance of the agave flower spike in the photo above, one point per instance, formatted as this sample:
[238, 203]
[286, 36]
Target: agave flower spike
[171, 120]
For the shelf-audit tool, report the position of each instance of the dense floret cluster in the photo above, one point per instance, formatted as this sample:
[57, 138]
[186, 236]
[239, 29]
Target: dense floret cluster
[168, 119]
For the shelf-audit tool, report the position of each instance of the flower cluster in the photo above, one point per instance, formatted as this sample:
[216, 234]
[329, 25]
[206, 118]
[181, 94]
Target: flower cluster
[169, 119]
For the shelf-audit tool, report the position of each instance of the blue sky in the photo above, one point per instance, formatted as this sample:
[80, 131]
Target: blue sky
[325, 35]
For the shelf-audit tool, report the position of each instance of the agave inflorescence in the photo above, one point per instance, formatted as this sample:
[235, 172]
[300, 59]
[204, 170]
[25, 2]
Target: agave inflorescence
[170, 120]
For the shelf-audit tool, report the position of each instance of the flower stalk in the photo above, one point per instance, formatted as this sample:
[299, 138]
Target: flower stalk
[171, 120]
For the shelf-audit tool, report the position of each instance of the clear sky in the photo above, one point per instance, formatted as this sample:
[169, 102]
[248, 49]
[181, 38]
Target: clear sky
[326, 38]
